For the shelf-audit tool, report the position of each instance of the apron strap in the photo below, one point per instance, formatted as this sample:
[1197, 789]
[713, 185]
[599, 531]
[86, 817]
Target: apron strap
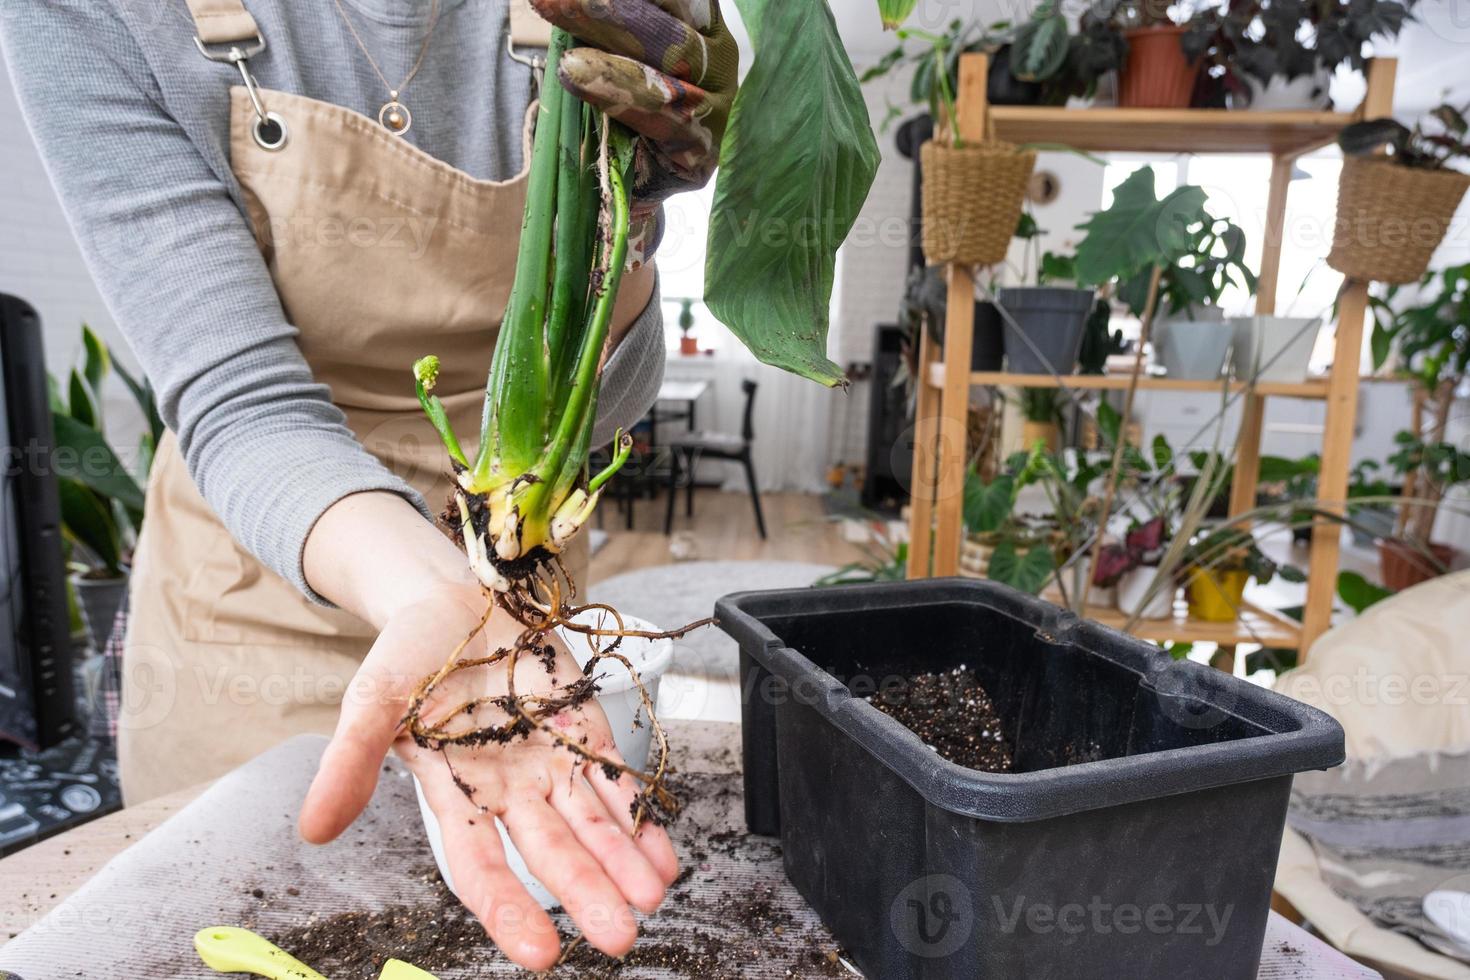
[527, 28]
[222, 21]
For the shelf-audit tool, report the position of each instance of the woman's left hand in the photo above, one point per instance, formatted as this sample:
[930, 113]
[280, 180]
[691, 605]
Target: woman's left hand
[667, 69]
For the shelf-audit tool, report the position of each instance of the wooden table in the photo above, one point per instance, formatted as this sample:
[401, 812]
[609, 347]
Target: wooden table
[38, 878]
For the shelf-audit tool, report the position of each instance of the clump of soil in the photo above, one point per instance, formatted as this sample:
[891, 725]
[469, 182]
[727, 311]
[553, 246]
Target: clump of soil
[954, 716]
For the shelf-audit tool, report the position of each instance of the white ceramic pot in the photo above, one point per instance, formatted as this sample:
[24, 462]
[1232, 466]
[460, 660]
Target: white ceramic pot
[619, 700]
[1280, 95]
[1274, 348]
[1133, 587]
[1193, 348]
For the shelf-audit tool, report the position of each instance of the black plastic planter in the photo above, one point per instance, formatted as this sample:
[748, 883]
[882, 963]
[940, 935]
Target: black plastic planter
[1137, 837]
[1052, 320]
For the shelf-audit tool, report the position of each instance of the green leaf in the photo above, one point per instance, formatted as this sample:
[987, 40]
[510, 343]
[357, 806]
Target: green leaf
[796, 165]
[1358, 592]
[1027, 573]
[97, 359]
[894, 12]
[82, 454]
[83, 402]
[1163, 454]
[1109, 422]
[1040, 48]
[87, 521]
[147, 403]
[1138, 230]
[987, 505]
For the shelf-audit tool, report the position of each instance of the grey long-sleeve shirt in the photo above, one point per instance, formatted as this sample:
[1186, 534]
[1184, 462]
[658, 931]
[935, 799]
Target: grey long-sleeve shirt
[133, 125]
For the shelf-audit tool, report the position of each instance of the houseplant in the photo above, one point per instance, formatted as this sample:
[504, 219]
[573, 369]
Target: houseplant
[1026, 546]
[1437, 468]
[1429, 338]
[1189, 332]
[1046, 324]
[1133, 568]
[973, 191]
[960, 37]
[1157, 73]
[1042, 418]
[1394, 210]
[1062, 63]
[688, 343]
[101, 499]
[1281, 54]
[1218, 564]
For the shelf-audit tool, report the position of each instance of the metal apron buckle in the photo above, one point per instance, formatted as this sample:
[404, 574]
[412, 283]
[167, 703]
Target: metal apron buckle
[270, 130]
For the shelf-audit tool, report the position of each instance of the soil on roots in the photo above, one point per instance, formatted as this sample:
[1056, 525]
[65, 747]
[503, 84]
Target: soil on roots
[954, 716]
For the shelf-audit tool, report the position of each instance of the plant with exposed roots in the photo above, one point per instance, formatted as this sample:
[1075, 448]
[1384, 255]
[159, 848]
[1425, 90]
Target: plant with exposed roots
[803, 159]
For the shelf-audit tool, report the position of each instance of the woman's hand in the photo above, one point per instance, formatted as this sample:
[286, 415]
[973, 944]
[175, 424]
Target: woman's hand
[667, 69]
[569, 821]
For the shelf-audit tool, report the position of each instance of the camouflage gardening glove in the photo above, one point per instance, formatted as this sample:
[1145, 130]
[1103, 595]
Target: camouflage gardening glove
[667, 69]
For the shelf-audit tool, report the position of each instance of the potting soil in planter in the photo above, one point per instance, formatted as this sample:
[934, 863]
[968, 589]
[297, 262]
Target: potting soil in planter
[954, 716]
[1135, 834]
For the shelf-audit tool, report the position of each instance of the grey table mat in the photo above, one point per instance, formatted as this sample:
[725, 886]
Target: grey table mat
[684, 592]
[232, 857]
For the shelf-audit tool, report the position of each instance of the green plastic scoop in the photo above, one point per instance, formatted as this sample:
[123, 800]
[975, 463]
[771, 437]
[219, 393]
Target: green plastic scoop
[227, 949]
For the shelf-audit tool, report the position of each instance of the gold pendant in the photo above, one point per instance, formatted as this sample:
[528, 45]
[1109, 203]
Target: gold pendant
[394, 116]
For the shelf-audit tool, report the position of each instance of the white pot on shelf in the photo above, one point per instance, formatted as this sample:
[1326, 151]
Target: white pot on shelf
[1193, 345]
[1305, 92]
[1274, 348]
[1133, 588]
[619, 700]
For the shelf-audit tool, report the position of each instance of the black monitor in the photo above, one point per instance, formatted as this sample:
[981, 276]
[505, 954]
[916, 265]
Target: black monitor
[37, 707]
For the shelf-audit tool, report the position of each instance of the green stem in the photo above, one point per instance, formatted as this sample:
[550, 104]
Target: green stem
[514, 426]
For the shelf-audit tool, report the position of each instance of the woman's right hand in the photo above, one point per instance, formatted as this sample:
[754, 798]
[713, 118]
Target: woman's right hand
[575, 833]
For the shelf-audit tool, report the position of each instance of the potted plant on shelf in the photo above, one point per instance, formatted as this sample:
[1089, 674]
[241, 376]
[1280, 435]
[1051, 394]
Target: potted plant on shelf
[101, 501]
[1157, 73]
[1062, 64]
[1273, 348]
[1133, 568]
[1025, 546]
[1393, 210]
[1045, 324]
[1003, 86]
[1217, 566]
[1281, 54]
[1189, 332]
[1436, 468]
[1041, 425]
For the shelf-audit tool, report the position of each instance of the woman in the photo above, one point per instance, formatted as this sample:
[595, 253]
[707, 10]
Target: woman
[285, 202]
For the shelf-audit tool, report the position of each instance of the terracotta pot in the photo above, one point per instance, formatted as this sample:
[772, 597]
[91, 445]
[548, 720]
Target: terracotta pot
[1156, 74]
[1405, 565]
[1044, 432]
[688, 345]
[1215, 596]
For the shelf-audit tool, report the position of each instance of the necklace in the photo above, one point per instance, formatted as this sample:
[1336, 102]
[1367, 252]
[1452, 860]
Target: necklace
[394, 115]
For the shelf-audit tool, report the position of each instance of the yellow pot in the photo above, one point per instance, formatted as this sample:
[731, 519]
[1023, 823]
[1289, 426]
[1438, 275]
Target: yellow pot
[1215, 596]
[1043, 432]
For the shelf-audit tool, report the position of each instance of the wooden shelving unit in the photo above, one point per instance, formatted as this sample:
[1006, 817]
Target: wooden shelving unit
[940, 431]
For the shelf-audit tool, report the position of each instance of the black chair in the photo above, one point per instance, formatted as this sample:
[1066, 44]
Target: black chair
[687, 448]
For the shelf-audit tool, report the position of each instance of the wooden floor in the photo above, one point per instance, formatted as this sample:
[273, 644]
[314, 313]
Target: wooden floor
[723, 528]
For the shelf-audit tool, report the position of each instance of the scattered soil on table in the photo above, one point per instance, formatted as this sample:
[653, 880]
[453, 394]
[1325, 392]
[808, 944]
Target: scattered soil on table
[954, 716]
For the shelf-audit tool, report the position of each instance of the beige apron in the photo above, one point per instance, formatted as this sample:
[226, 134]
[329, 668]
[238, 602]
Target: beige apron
[381, 254]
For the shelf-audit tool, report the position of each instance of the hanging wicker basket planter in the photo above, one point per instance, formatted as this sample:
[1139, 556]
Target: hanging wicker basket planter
[972, 200]
[1391, 218]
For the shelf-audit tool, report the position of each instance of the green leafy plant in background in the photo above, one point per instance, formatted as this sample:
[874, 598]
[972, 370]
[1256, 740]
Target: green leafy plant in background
[1213, 262]
[895, 12]
[1358, 593]
[1439, 138]
[101, 501]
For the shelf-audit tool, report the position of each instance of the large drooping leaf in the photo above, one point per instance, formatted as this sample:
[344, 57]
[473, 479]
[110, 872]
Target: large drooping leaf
[82, 454]
[796, 165]
[87, 521]
[1138, 230]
